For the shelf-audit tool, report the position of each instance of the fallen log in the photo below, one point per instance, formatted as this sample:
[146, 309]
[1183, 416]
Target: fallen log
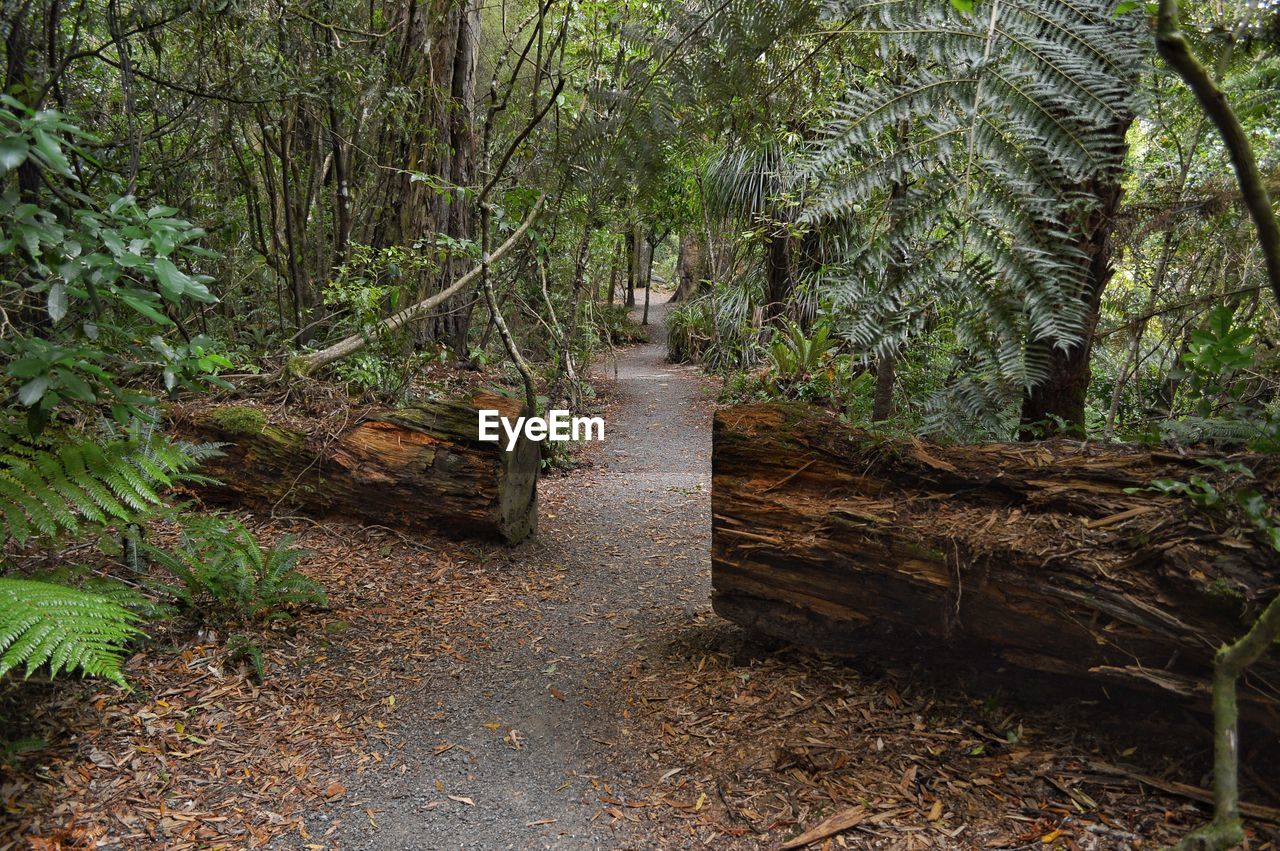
[1030, 556]
[419, 468]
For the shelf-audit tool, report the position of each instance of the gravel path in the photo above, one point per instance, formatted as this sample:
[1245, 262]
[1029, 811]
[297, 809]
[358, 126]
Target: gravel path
[521, 726]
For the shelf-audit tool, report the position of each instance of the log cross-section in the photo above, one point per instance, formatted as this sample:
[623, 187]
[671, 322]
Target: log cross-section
[420, 467]
[1039, 557]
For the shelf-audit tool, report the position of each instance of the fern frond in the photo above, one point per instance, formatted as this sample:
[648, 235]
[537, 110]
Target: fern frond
[50, 484]
[1008, 111]
[43, 623]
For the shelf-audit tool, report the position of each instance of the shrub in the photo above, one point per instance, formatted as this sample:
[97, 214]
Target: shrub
[225, 575]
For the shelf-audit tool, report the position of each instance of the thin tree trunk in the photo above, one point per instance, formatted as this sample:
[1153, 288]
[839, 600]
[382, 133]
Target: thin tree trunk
[286, 209]
[632, 263]
[882, 405]
[570, 325]
[617, 280]
[778, 279]
[1176, 51]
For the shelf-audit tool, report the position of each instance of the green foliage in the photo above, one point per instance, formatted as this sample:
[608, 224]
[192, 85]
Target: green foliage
[242, 649]
[793, 355]
[105, 275]
[370, 371]
[1231, 499]
[1217, 355]
[65, 485]
[67, 629]
[225, 575]
[372, 281]
[689, 330]
[753, 186]
[985, 128]
[238, 419]
[718, 329]
[615, 323]
[1214, 355]
[53, 484]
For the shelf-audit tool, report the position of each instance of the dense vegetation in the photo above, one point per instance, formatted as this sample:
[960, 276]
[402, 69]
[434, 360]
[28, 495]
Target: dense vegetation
[990, 220]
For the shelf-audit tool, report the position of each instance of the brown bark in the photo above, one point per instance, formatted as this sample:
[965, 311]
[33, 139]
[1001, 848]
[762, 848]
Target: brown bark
[633, 263]
[690, 266]
[419, 468]
[1032, 557]
[882, 402]
[435, 56]
[779, 279]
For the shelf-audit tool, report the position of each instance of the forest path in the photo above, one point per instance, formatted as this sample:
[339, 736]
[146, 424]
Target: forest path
[622, 553]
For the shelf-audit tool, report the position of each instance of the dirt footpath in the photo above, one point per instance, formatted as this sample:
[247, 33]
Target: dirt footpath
[507, 748]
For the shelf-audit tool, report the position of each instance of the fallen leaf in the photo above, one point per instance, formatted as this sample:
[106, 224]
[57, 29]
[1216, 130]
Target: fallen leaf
[828, 827]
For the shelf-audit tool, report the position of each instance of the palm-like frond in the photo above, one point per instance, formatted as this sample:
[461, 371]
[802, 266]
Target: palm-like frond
[1009, 111]
[749, 183]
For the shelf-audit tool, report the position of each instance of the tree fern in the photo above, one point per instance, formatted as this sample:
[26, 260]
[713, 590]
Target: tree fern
[1011, 109]
[42, 623]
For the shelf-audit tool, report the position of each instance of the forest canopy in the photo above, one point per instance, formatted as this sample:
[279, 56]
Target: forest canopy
[1017, 210]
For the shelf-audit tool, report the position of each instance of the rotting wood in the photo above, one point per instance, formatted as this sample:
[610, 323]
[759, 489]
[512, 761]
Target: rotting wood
[418, 468]
[1030, 557]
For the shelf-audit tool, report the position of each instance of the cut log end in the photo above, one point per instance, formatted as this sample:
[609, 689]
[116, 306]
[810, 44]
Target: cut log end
[418, 468]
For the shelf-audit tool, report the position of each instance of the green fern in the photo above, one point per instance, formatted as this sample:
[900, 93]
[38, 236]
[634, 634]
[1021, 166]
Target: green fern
[52, 485]
[223, 573]
[42, 623]
[1010, 109]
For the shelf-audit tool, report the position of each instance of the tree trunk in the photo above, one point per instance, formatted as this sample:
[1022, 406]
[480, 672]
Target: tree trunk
[454, 321]
[778, 277]
[690, 266]
[886, 373]
[1057, 404]
[419, 468]
[633, 263]
[1031, 557]
[435, 57]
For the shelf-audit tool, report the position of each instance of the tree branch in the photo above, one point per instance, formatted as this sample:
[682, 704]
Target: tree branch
[1176, 51]
[309, 363]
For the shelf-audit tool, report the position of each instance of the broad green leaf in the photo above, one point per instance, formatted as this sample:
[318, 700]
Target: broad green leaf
[28, 367]
[33, 391]
[51, 152]
[141, 306]
[57, 301]
[173, 282]
[13, 153]
[75, 386]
